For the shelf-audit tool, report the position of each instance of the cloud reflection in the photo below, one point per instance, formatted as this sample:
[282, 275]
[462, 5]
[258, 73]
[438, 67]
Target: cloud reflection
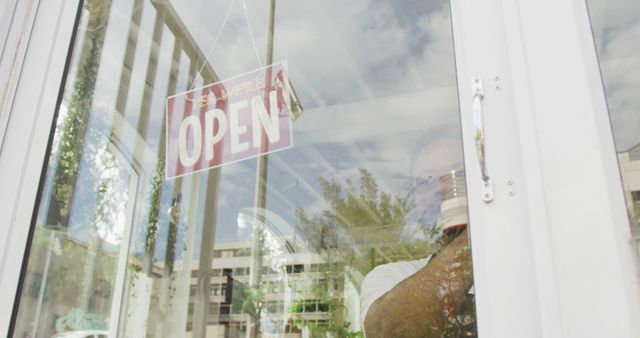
[373, 77]
[616, 27]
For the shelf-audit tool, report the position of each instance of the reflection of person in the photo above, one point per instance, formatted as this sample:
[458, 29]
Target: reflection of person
[428, 297]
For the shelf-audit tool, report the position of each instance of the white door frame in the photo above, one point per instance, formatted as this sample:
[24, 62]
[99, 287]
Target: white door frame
[552, 253]
[16, 23]
[32, 83]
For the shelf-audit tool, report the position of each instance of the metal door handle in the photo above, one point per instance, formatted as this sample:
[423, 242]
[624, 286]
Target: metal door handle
[478, 124]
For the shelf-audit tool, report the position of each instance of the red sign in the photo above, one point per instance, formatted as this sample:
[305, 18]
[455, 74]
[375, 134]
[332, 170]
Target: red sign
[229, 121]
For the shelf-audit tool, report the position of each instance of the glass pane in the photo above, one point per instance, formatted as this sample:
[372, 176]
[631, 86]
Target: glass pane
[193, 191]
[616, 29]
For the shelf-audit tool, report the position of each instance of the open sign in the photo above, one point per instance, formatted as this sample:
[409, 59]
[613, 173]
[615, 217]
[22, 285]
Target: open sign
[229, 121]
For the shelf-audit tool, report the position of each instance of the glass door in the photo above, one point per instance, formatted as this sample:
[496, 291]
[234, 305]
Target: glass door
[236, 168]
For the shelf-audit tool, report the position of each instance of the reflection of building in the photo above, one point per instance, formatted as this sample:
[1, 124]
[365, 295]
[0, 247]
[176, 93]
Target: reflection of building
[453, 207]
[290, 285]
[629, 162]
[630, 168]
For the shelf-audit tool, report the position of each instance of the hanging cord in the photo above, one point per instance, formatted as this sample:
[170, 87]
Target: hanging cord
[215, 41]
[253, 40]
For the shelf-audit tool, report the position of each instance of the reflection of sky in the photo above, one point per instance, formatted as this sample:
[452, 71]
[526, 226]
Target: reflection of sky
[382, 143]
[339, 51]
[373, 76]
[616, 27]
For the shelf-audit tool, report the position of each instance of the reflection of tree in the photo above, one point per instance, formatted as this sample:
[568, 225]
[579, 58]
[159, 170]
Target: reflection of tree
[74, 127]
[328, 292]
[248, 299]
[363, 224]
[112, 199]
[153, 219]
[112, 196]
[360, 227]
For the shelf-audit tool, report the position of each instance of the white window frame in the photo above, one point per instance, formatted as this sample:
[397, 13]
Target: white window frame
[552, 252]
[40, 35]
[15, 28]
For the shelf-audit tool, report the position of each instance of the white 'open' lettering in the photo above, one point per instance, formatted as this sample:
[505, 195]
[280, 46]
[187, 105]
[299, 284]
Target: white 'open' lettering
[196, 133]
